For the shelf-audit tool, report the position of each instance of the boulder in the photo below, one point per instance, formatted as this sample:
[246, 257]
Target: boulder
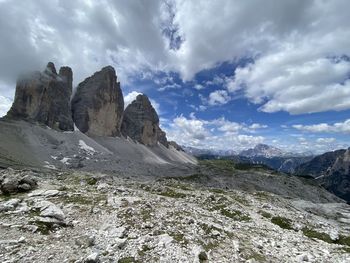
[141, 123]
[12, 182]
[98, 104]
[44, 97]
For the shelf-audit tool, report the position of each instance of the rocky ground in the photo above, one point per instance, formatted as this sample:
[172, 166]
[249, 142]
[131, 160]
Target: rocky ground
[75, 216]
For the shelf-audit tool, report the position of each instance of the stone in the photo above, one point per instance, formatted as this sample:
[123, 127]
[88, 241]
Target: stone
[202, 256]
[9, 205]
[98, 104]
[9, 184]
[92, 258]
[44, 97]
[48, 209]
[141, 123]
[85, 241]
[24, 187]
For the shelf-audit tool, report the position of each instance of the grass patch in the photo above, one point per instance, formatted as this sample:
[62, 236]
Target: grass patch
[235, 215]
[180, 238]
[342, 240]
[311, 233]
[257, 256]
[224, 165]
[265, 214]
[128, 260]
[282, 222]
[91, 181]
[171, 193]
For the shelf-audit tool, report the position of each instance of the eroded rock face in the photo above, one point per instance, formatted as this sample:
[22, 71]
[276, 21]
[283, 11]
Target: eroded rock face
[98, 104]
[44, 97]
[141, 123]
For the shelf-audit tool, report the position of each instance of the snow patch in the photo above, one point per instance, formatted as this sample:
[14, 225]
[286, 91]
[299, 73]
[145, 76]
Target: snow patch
[86, 147]
[65, 160]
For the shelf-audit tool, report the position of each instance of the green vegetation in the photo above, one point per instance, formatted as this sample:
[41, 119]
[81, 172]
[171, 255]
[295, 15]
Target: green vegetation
[225, 165]
[311, 233]
[91, 181]
[235, 215]
[318, 235]
[282, 222]
[265, 214]
[171, 193]
[343, 240]
[179, 237]
[127, 260]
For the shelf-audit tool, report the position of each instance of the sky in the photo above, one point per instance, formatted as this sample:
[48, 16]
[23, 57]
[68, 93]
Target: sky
[222, 74]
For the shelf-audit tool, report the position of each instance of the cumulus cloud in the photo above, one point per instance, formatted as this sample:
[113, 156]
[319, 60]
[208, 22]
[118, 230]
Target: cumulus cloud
[299, 48]
[5, 104]
[339, 127]
[292, 83]
[216, 133]
[218, 97]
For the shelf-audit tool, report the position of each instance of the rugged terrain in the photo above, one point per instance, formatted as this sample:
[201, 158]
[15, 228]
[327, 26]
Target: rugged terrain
[76, 216]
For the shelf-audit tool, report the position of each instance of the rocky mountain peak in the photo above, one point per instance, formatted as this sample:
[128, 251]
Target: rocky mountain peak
[98, 104]
[51, 69]
[263, 150]
[141, 122]
[44, 98]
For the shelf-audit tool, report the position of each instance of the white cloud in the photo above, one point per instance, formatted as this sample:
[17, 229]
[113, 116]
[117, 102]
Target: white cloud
[198, 87]
[291, 82]
[218, 97]
[339, 127]
[130, 97]
[325, 140]
[214, 134]
[5, 105]
[169, 86]
[293, 44]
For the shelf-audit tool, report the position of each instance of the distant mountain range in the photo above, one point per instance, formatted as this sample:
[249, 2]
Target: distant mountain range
[331, 169]
[270, 156]
[199, 152]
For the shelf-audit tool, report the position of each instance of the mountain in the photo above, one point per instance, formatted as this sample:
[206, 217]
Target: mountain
[337, 179]
[141, 123]
[319, 165]
[200, 152]
[44, 97]
[262, 150]
[98, 104]
[38, 130]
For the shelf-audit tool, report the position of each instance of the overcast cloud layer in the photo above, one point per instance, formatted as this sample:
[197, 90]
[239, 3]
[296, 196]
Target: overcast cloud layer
[290, 56]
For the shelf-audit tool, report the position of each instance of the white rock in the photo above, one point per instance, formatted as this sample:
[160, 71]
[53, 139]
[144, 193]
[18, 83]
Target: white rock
[92, 258]
[48, 209]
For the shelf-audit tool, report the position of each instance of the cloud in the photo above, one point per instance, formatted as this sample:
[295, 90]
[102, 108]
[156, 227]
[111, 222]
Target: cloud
[299, 49]
[131, 96]
[5, 104]
[218, 97]
[198, 87]
[214, 134]
[292, 82]
[169, 86]
[339, 127]
[325, 140]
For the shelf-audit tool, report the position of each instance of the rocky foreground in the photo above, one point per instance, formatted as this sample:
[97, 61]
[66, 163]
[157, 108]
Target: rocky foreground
[75, 216]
